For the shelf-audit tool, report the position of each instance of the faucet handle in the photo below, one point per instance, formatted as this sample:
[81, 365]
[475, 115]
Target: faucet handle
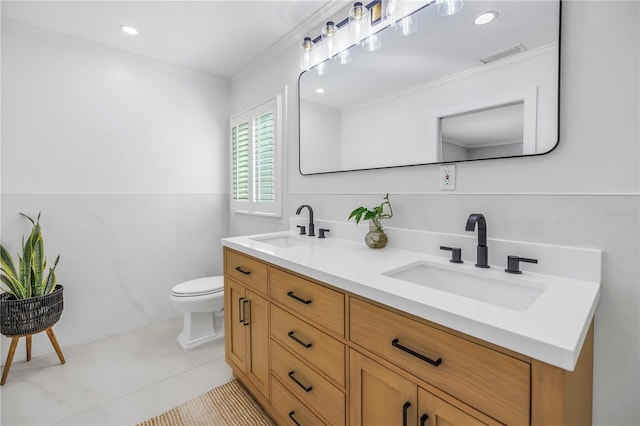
[303, 229]
[322, 231]
[513, 264]
[456, 254]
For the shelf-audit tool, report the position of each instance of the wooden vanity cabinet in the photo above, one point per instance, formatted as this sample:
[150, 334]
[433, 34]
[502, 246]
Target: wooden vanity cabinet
[308, 349]
[379, 396]
[246, 320]
[312, 354]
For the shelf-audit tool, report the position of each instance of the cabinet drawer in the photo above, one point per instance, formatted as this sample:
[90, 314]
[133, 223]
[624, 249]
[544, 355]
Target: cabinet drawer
[247, 270]
[307, 385]
[324, 352]
[290, 409]
[492, 382]
[313, 301]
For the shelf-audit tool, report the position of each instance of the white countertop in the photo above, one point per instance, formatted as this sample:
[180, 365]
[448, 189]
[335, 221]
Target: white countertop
[551, 330]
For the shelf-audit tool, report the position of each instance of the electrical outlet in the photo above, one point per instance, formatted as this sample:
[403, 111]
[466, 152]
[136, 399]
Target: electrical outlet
[448, 177]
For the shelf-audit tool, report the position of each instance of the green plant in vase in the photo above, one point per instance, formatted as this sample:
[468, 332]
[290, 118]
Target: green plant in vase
[375, 238]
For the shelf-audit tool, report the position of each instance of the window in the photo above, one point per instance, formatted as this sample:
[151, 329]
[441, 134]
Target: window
[256, 160]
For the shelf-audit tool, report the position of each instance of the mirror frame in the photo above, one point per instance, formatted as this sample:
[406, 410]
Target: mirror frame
[440, 114]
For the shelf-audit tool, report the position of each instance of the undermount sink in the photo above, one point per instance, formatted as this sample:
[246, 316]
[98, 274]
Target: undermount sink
[517, 293]
[282, 241]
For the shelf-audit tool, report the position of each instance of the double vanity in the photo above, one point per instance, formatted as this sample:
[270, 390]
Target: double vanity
[328, 331]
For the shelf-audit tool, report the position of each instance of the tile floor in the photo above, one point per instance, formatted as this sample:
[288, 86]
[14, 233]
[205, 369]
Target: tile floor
[120, 380]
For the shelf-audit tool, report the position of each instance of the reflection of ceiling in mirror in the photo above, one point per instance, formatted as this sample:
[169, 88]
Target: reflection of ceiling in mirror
[447, 45]
[489, 127]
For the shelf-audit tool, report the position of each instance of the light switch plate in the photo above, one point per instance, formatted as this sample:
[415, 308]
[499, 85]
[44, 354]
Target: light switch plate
[447, 177]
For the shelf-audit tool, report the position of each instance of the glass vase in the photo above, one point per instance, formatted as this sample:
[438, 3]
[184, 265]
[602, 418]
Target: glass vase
[375, 238]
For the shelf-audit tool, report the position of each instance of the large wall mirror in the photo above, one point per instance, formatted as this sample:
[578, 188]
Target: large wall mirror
[451, 91]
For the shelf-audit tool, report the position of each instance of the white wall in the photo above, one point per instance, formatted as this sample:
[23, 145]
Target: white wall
[583, 194]
[126, 158]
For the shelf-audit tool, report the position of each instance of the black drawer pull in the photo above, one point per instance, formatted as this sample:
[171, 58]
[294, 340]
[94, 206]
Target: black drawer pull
[291, 413]
[306, 345]
[423, 419]
[306, 389]
[405, 409]
[245, 320]
[290, 294]
[416, 354]
[239, 269]
[241, 310]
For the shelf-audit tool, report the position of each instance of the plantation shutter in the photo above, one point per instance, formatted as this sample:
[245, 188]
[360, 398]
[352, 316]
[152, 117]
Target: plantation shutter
[240, 162]
[264, 158]
[256, 160]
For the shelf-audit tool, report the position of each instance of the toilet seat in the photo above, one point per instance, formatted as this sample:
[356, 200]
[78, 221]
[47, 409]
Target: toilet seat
[199, 287]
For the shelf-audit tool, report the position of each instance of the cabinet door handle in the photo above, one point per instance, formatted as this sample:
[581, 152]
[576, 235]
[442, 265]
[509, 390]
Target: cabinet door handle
[423, 419]
[239, 269]
[305, 345]
[292, 377]
[291, 413]
[245, 321]
[395, 343]
[405, 410]
[241, 310]
[290, 294]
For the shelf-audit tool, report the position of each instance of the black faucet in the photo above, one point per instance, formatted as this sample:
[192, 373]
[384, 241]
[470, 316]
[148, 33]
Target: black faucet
[311, 225]
[483, 250]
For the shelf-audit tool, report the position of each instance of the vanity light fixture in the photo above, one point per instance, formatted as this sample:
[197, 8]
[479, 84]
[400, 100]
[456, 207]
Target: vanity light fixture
[449, 7]
[328, 31]
[128, 30]
[305, 54]
[486, 17]
[357, 20]
[320, 90]
[364, 24]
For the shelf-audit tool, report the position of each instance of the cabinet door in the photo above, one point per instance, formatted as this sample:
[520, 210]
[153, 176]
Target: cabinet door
[257, 316]
[432, 411]
[379, 396]
[234, 320]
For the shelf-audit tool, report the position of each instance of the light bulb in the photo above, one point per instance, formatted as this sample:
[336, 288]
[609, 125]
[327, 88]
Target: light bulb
[357, 19]
[328, 31]
[305, 54]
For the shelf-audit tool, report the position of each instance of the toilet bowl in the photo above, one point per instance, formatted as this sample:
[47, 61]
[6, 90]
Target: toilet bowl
[202, 301]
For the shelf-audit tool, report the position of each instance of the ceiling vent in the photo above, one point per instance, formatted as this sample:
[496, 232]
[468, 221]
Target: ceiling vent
[519, 48]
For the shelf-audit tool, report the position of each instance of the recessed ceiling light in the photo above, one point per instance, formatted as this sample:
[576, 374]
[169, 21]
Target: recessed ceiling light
[129, 30]
[319, 90]
[485, 18]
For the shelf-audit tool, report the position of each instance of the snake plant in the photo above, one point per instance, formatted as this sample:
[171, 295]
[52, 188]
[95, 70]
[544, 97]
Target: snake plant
[30, 278]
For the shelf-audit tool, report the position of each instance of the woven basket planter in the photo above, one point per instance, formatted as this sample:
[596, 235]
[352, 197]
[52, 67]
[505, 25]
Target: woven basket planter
[29, 316]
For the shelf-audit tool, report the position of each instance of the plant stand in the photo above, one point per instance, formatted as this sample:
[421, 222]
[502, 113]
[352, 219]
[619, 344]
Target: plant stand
[26, 317]
[14, 345]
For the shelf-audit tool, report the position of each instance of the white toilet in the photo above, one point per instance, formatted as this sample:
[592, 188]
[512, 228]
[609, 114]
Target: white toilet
[202, 301]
